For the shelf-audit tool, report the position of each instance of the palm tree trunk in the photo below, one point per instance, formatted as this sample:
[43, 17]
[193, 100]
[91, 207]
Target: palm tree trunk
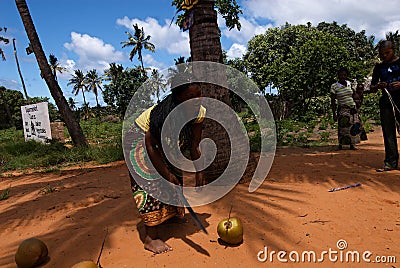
[20, 73]
[75, 130]
[97, 101]
[205, 45]
[84, 101]
[141, 61]
[84, 98]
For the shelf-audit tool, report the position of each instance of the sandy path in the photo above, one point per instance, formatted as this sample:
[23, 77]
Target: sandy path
[292, 211]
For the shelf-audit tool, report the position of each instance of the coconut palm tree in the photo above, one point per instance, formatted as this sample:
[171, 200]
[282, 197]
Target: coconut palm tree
[79, 85]
[205, 45]
[74, 129]
[55, 66]
[395, 38]
[72, 103]
[93, 83]
[5, 41]
[158, 83]
[138, 41]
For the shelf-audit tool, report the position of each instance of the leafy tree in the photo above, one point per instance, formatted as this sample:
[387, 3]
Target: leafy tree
[138, 41]
[360, 47]
[2, 97]
[236, 82]
[10, 102]
[123, 84]
[54, 114]
[15, 100]
[229, 10]
[302, 61]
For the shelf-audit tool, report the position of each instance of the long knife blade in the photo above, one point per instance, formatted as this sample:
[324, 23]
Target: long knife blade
[192, 213]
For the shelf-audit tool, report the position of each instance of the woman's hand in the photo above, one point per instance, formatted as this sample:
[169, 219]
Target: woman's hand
[382, 85]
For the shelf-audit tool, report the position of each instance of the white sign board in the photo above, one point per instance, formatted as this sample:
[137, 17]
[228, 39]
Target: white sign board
[36, 122]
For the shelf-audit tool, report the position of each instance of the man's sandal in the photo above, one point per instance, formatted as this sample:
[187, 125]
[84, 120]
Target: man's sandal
[386, 168]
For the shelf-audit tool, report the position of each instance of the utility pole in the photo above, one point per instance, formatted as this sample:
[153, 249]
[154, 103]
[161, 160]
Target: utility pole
[20, 74]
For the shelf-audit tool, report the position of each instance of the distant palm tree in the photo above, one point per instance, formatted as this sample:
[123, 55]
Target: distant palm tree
[72, 103]
[55, 66]
[395, 38]
[158, 83]
[93, 83]
[5, 41]
[139, 42]
[182, 64]
[78, 83]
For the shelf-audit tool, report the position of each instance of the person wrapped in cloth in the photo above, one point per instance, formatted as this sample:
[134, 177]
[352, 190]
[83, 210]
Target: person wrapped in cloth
[147, 161]
[345, 112]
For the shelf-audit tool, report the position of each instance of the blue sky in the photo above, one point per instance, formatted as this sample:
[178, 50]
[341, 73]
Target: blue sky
[87, 34]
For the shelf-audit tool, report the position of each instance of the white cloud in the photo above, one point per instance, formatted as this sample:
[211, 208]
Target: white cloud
[236, 51]
[249, 28]
[69, 65]
[164, 37]
[152, 63]
[93, 53]
[376, 17]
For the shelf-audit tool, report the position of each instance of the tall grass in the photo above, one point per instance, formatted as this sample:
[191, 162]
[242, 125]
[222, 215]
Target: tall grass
[104, 139]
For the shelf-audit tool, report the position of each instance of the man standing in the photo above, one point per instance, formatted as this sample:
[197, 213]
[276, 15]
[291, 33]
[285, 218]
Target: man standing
[386, 76]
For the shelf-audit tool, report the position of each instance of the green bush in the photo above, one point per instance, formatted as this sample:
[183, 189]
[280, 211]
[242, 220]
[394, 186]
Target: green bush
[104, 139]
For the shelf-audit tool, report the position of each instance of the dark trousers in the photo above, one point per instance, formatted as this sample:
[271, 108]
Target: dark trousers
[388, 122]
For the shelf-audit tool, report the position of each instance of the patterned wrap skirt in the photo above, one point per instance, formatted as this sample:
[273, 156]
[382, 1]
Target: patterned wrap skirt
[349, 125]
[145, 180]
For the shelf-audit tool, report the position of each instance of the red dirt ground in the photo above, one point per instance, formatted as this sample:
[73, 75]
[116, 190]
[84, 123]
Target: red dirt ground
[292, 211]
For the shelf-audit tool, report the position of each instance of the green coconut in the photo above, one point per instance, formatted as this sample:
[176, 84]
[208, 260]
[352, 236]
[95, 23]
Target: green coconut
[31, 253]
[230, 231]
[85, 264]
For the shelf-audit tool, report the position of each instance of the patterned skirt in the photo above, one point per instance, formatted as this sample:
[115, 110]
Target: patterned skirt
[145, 180]
[349, 126]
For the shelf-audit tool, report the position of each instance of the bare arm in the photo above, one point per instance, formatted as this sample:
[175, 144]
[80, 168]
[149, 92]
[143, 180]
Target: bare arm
[156, 156]
[376, 84]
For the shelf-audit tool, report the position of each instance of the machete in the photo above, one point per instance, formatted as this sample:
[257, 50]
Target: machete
[192, 213]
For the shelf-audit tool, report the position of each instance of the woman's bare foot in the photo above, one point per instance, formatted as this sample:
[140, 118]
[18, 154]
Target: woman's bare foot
[156, 246]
